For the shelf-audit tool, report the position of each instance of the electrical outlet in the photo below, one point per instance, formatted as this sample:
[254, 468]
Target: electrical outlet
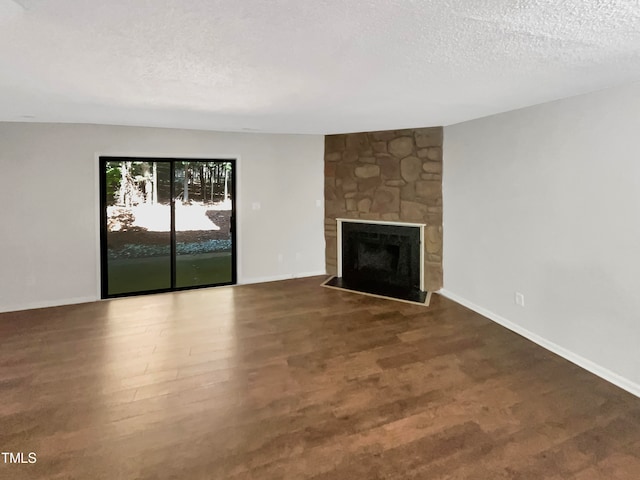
[318, 203]
[256, 205]
[298, 256]
[519, 299]
[280, 258]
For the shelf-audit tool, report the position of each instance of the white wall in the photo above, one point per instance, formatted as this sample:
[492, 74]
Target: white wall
[49, 210]
[546, 201]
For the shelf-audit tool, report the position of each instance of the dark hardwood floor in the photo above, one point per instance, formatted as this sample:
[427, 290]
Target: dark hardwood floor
[289, 380]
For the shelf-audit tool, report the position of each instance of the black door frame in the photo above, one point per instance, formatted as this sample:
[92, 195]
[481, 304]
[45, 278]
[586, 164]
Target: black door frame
[104, 287]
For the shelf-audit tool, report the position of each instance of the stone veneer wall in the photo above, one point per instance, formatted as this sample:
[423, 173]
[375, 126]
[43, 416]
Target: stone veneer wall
[393, 175]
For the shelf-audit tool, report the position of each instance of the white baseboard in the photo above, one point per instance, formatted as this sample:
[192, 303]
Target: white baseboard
[310, 274]
[275, 278]
[585, 363]
[47, 303]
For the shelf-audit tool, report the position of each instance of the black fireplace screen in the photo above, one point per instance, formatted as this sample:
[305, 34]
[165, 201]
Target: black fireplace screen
[382, 255]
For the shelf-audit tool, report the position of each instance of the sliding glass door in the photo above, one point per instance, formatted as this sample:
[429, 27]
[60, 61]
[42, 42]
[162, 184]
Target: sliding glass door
[167, 224]
[203, 223]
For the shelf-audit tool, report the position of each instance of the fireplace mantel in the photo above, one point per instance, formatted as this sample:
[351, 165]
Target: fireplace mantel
[381, 222]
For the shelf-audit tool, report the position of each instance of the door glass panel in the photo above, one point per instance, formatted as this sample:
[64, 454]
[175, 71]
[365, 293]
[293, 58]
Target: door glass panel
[203, 207]
[138, 226]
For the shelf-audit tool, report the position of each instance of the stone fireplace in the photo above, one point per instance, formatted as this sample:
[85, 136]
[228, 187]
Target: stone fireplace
[388, 176]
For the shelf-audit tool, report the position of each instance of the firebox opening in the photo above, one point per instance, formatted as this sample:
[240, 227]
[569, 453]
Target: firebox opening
[375, 259]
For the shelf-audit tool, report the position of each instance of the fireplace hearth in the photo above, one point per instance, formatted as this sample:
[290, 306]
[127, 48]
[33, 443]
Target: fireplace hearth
[381, 258]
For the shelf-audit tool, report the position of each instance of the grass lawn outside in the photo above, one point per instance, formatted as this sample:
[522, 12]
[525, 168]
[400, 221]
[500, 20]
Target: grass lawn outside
[130, 275]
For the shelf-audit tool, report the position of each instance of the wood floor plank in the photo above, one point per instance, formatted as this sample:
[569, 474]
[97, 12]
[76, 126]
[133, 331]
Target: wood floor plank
[288, 380]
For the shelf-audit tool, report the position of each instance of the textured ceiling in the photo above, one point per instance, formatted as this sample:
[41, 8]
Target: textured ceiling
[305, 66]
